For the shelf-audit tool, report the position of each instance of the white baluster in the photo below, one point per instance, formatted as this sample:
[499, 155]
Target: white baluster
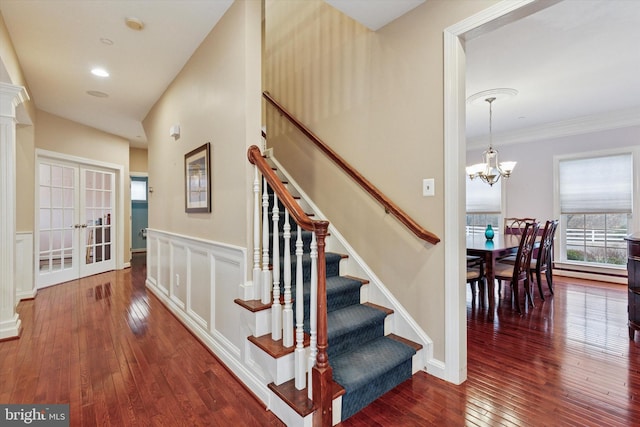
[257, 291]
[266, 274]
[300, 368]
[276, 307]
[287, 313]
[313, 312]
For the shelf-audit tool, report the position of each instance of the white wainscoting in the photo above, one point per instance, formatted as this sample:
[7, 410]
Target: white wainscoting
[198, 280]
[25, 285]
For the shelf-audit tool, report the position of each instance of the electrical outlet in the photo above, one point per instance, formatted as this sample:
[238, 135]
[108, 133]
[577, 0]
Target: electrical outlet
[428, 187]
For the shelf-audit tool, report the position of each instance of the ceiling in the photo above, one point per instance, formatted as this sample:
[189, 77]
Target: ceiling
[59, 42]
[574, 64]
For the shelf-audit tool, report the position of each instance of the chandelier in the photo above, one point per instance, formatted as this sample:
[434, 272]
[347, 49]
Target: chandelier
[490, 170]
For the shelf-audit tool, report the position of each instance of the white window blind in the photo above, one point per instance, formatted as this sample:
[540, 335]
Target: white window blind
[596, 184]
[138, 190]
[482, 197]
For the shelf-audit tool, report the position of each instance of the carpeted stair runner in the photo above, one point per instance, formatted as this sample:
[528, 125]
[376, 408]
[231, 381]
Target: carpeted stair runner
[365, 362]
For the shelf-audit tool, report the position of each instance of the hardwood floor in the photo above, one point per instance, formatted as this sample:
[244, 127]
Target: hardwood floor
[568, 361]
[119, 358]
[111, 350]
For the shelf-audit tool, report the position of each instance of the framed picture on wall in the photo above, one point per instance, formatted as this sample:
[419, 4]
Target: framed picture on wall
[197, 178]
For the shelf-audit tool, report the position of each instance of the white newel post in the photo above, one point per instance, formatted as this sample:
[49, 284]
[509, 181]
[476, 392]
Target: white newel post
[10, 97]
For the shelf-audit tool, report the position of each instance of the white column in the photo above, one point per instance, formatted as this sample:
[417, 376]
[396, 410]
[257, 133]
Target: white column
[10, 97]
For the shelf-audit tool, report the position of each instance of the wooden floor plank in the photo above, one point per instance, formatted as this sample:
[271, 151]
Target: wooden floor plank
[119, 358]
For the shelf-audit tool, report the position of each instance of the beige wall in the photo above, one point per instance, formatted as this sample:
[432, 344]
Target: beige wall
[377, 99]
[60, 135]
[11, 72]
[138, 160]
[216, 99]
[25, 178]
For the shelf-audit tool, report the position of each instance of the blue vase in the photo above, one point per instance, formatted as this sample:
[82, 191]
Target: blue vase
[488, 233]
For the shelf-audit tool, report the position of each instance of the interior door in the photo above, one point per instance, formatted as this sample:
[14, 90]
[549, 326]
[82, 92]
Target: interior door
[75, 234]
[58, 223]
[97, 200]
[139, 213]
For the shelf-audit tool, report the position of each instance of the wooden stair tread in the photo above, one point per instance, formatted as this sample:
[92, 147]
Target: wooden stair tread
[297, 399]
[359, 279]
[416, 346]
[273, 348]
[387, 310]
[253, 305]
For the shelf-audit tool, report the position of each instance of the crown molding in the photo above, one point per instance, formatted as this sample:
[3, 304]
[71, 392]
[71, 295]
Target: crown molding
[577, 126]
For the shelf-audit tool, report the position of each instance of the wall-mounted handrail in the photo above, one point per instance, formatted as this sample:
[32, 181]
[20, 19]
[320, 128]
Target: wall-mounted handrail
[388, 205]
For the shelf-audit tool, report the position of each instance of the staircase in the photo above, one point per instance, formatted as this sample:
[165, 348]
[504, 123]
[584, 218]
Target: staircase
[367, 360]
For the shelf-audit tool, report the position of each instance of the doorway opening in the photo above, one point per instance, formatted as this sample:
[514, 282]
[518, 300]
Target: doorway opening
[139, 213]
[455, 161]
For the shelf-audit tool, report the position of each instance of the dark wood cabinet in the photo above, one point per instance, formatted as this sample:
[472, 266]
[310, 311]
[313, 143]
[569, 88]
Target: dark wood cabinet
[633, 271]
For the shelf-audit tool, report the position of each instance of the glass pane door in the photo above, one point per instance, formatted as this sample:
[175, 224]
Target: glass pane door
[58, 225]
[75, 236]
[98, 201]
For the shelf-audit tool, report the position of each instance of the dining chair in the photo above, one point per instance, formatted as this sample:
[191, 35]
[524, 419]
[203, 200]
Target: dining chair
[519, 270]
[541, 258]
[476, 277]
[516, 225]
[543, 262]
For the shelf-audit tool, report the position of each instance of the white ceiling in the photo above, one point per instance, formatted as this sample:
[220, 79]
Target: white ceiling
[575, 65]
[576, 59]
[58, 42]
[374, 14]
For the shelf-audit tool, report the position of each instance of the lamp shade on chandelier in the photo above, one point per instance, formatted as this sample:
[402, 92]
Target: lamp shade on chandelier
[491, 169]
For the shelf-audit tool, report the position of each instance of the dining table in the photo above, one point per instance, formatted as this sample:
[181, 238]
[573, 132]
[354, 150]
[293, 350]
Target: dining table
[490, 250]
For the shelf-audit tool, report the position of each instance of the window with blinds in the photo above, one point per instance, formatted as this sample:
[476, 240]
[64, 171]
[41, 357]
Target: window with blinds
[484, 205]
[595, 198]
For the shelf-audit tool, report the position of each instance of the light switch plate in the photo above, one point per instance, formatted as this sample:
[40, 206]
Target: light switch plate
[428, 187]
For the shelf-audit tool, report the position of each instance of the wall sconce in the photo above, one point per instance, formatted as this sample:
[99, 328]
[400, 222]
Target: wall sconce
[174, 132]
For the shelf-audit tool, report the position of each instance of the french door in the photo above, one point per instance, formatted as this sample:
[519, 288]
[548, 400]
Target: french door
[76, 224]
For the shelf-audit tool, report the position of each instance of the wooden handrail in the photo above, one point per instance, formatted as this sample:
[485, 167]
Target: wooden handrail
[322, 374]
[301, 218]
[388, 205]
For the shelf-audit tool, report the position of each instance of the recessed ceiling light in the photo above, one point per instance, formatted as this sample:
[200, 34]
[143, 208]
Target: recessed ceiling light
[134, 24]
[100, 72]
[97, 94]
[106, 41]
